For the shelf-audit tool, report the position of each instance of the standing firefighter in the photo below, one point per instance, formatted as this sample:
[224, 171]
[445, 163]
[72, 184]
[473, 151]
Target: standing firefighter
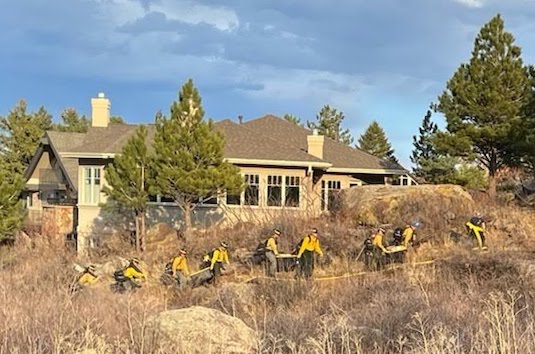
[476, 228]
[308, 245]
[180, 269]
[215, 259]
[379, 249]
[408, 234]
[272, 252]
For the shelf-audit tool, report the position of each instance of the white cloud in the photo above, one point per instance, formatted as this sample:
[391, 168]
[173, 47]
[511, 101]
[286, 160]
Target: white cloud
[471, 3]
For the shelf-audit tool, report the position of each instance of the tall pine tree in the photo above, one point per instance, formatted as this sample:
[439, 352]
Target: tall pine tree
[12, 212]
[126, 181]
[424, 150]
[483, 102]
[189, 156]
[293, 119]
[20, 134]
[328, 123]
[375, 142]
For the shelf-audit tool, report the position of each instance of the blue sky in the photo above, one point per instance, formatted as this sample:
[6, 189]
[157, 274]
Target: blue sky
[381, 59]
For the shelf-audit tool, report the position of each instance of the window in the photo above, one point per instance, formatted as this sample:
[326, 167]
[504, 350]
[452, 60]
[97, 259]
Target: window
[91, 185]
[274, 190]
[233, 199]
[329, 191]
[208, 201]
[292, 192]
[166, 199]
[251, 196]
[153, 198]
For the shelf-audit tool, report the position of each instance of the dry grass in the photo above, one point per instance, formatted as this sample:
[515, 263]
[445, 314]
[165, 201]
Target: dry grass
[463, 303]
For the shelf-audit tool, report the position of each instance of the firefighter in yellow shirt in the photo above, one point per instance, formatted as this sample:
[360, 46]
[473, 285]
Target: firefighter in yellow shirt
[476, 228]
[180, 269]
[408, 234]
[88, 277]
[271, 252]
[217, 258]
[378, 241]
[134, 273]
[309, 245]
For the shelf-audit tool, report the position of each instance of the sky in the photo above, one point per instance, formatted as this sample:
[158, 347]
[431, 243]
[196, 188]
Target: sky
[383, 60]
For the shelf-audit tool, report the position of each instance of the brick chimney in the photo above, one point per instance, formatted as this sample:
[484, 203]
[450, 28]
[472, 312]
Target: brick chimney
[315, 144]
[100, 111]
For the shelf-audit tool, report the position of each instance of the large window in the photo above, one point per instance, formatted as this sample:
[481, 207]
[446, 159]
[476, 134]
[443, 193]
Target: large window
[292, 192]
[252, 195]
[329, 191]
[91, 185]
[274, 190]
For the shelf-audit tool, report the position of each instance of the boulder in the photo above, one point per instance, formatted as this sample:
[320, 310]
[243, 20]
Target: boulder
[202, 330]
[437, 207]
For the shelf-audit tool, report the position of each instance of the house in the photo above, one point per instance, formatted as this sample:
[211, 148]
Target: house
[287, 168]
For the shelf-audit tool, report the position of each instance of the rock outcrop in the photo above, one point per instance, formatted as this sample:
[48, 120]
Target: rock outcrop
[202, 330]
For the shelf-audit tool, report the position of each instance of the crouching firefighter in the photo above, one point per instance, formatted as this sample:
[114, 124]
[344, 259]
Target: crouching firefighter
[476, 228]
[215, 259]
[129, 278]
[87, 278]
[179, 269]
[309, 245]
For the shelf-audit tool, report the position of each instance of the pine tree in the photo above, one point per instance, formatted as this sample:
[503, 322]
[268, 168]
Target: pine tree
[375, 142]
[72, 122]
[484, 99]
[117, 120]
[189, 156]
[12, 212]
[424, 150]
[126, 181]
[328, 123]
[20, 134]
[293, 119]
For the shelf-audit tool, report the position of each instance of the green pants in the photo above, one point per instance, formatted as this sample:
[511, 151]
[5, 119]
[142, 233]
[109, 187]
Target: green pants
[307, 264]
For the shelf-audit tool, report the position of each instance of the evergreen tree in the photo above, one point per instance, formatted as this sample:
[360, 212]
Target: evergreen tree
[72, 122]
[126, 181]
[20, 134]
[483, 102]
[328, 123]
[189, 156]
[117, 120]
[375, 142]
[424, 150]
[293, 119]
[12, 212]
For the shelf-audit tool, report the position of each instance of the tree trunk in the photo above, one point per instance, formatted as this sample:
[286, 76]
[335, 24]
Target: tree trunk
[187, 219]
[492, 174]
[142, 231]
[137, 234]
[492, 186]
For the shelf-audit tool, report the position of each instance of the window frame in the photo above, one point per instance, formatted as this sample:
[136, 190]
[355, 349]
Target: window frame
[89, 198]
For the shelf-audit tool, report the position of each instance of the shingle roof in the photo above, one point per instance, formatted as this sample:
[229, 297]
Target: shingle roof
[245, 143]
[338, 154]
[64, 142]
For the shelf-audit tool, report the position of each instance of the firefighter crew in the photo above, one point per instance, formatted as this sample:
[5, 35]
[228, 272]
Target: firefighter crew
[305, 256]
[408, 234]
[180, 269]
[219, 255]
[271, 252]
[476, 228]
[88, 277]
[134, 273]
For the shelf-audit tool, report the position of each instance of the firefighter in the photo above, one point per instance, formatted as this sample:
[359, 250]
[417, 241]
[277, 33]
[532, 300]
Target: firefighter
[408, 234]
[369, 251]
[216, 258]
[379, 249]
[476, 228]
[180, 269]
[271, 252]
[88, 277]
[134, 273]
[308, 245]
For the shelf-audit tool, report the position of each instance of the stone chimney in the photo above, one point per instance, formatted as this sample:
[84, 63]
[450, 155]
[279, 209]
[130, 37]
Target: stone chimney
[100, 111]
[315, 144]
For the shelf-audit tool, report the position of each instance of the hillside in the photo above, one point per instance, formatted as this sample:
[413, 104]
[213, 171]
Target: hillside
[463, 301]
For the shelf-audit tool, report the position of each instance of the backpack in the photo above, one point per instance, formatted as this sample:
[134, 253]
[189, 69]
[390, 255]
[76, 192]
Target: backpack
[398, 236]
[476, 221]
[169, 267]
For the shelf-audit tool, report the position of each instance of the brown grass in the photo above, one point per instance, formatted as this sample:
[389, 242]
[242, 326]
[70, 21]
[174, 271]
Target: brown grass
[465, 302]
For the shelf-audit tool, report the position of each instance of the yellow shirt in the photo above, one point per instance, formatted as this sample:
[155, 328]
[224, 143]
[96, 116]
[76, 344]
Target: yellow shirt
[220, 255]
[132, 273]
[272, 245]
[408, 234]
[378, 241]
[310, 243]
[87, 279]
[180, 263]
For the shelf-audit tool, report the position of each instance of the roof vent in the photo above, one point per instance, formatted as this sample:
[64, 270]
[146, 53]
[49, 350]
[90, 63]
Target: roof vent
[240, 119]
[101, 95]
[315, 131]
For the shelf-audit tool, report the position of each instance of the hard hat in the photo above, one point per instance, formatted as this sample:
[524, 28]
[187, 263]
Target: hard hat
[277, 232]
[183, 251]
[416, 224]
[382, 230]
[224, 244]
[91, 268]
[134, 261]
[314, 230]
